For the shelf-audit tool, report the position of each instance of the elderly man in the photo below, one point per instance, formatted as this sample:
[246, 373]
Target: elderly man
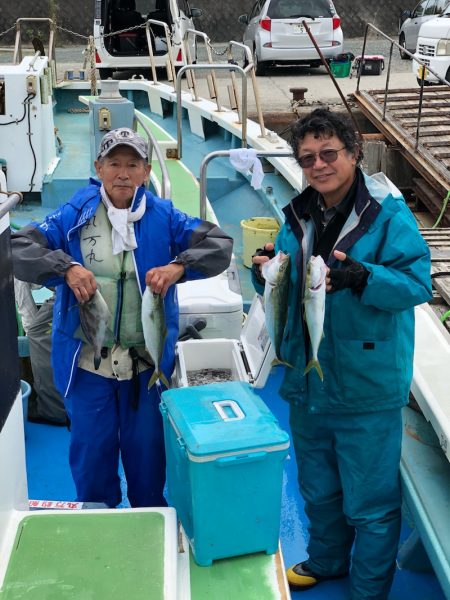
[115, 235]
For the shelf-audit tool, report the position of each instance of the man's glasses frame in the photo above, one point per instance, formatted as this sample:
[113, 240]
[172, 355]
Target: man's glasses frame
[329, 155]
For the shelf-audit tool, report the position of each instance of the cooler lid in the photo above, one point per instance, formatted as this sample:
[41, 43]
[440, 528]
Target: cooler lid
[212, 295]
[258, 349]
[222, 419]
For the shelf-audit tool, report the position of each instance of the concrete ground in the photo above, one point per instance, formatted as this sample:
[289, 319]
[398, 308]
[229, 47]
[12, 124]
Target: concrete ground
[274, 86]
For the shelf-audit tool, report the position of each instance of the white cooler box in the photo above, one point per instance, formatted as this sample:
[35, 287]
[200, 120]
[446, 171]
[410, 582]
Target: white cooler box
[211, 299]
[248, 358]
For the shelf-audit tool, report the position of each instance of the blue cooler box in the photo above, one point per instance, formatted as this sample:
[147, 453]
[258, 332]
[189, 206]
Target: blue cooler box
[225, 453]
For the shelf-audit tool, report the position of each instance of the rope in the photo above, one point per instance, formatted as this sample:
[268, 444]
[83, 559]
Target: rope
[93, 70]
[7, 30]
[445, 316]
[444, 206]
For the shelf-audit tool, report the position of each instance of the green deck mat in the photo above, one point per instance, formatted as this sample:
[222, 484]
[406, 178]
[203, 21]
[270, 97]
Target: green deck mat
[250, 577]
[87, 557]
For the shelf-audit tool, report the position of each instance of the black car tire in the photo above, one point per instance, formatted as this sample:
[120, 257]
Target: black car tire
[260, 67]
[402, 42]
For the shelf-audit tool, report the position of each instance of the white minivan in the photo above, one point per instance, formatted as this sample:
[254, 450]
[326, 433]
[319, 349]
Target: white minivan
[128, 50]
[433, 48]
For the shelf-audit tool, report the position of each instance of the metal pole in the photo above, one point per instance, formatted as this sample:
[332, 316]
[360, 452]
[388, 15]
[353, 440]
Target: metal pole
[12, 200]
[362, 57]
[220, 67]
[325, 64]
[388, 76]
[222, 153]
[150, 54]
[166, 187]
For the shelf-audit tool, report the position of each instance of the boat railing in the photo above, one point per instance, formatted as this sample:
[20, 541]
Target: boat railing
[211, 77]
[170, 68]
[11, 200]
[216, 67]
[226, 153]
[17, 58]
[425, 67]
[166, 186]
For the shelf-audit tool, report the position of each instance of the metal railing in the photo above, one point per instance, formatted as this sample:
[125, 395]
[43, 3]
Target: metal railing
[224, 153]
[18, 41]
[425, 68]
[207, 67]
[166, 187]
[191, 80]
[170, 68]
[12, 200]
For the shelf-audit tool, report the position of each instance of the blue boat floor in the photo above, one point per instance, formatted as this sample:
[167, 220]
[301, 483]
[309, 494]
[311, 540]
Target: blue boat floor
[47, 450]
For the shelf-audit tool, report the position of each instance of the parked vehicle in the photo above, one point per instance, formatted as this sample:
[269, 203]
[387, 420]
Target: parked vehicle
[411, 21]
[433, 48]
[275, 34]
[129, 49]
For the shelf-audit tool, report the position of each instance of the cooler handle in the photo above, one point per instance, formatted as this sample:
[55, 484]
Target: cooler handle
[233, 406]
[238, 459]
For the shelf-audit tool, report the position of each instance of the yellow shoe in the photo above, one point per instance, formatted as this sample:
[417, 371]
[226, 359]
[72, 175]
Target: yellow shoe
[300, 577]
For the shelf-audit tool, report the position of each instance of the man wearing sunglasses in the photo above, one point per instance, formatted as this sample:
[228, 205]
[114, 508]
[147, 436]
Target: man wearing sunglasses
[347, 428]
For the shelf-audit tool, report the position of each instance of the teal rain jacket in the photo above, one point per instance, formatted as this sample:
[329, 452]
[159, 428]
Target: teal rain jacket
[366, 353]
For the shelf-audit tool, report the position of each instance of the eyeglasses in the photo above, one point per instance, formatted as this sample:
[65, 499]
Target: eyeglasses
[327, 156]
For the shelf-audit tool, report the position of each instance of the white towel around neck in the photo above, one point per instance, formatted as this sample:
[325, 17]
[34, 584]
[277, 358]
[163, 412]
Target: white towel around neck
[122, 221]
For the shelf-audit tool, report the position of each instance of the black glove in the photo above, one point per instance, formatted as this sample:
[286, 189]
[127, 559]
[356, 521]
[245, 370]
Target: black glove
[351, 275]
[256, 271]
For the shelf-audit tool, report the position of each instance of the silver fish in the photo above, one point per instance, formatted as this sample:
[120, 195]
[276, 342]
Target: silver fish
[314, 302]
[276, 273]
[155, 332]
[94, 319]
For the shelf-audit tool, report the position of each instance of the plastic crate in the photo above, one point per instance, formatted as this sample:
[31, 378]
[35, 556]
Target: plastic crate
[340, 68]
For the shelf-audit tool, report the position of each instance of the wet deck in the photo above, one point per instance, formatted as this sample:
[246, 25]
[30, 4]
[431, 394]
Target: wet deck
[424, 142]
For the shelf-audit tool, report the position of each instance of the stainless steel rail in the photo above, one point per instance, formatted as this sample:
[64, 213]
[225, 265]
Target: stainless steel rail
[166, 187]
[225, 153]
[13, 198]
[170, 66]
[393, 43]
[214, 92]
[207, 67]
[18, 41]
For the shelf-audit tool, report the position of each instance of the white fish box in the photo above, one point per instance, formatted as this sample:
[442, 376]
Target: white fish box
[213, 300]
[247, 358]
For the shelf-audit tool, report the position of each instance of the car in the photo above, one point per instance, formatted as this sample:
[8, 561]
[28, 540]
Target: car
[433, 49]
[411, 20]
[275, 34]
[129, 50]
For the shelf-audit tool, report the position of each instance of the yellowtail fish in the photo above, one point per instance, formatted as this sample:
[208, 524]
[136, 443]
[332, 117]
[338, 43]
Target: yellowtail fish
[94, 319]
[314, 302]
[155, 332]
[276, 273]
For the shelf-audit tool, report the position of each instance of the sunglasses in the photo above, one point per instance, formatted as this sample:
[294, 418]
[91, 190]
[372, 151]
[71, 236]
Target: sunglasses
[327, 156]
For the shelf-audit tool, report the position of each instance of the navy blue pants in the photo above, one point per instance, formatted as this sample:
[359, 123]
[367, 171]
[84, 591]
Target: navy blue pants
[349, 478]
[104, 424]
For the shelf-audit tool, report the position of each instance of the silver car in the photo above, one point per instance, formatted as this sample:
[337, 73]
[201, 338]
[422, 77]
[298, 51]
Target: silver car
[275, 34]
[410, 22]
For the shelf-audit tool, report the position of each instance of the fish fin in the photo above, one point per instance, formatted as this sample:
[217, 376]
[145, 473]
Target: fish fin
[158, 376]
[153, 379]
[163, 378]
[314, 364]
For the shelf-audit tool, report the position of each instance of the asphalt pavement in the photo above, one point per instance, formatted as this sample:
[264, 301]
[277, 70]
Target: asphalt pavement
[274, 86]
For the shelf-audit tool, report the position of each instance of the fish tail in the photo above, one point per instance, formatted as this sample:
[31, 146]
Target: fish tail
[97, 361]
[314, 364]
[158, 375]
[153, 379]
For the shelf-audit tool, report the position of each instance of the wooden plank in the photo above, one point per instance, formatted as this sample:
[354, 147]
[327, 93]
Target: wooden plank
[442, 284]
[432, 200]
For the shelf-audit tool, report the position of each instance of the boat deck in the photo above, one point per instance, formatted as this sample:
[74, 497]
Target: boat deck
[422, 136]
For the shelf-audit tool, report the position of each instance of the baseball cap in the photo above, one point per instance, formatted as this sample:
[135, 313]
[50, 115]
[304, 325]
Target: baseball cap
[123, 136]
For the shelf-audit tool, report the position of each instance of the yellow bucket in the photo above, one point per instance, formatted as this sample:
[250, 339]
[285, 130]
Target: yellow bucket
[256, 232]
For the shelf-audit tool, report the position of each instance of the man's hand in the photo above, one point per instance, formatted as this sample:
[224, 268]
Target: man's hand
[351, 275]
[161, 278]
[81, 281]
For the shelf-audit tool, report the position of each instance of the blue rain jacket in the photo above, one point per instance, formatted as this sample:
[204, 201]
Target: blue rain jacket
[161, 235]
[366, 353]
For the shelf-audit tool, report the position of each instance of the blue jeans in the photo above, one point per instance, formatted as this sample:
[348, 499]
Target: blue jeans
[103, 423]
[349, 479]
